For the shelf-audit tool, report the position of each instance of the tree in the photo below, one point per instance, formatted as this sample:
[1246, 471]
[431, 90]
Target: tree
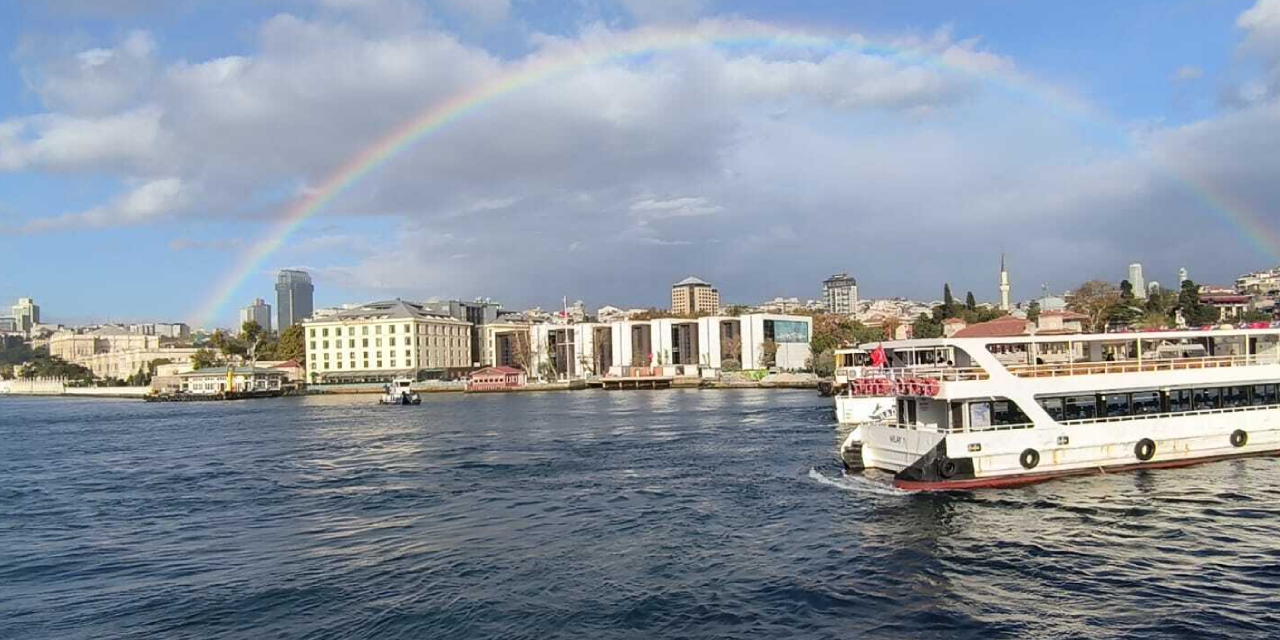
[292, 345]
[1161, 300]
[824, 364]
[1033, 311]
[970, 302]
[926, 327]
[1194, 312]
[250, 331]
[1151, 321]
[948, 302]
[203, 359]
[768, 354]
[1126, 290]
[731, 349]
[1095, 299]
[890, 327]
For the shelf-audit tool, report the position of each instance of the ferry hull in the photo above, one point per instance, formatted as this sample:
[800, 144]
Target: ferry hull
[928, 460]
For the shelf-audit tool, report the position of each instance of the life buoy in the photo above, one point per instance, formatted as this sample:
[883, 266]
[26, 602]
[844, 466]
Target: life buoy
[1145, 449]
[932, 387]
[856, 386]
[913, 387]
[884, 388]
[948, 467]
[1239, 438]
[1029, 459]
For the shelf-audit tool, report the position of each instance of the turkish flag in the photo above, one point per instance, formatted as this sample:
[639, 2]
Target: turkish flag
[878, 359]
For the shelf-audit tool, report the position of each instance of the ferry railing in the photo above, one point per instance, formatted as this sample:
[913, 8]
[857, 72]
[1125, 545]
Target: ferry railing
[944, 374]
[933, 428]
[1136, 366]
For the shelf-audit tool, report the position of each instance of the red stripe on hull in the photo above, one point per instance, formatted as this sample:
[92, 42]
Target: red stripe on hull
[1032, 478]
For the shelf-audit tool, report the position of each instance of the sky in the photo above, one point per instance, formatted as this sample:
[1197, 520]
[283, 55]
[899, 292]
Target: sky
[161, 160]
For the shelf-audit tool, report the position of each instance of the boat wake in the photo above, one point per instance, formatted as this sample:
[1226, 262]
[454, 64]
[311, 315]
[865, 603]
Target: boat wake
[857, 484]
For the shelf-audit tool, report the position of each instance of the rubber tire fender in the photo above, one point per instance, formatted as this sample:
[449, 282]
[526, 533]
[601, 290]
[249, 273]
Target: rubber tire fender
[948, 468]
[1239, 438]
[1029, 459]
[1145, 449]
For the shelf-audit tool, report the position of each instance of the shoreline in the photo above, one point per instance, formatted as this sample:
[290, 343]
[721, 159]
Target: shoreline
[576, 385]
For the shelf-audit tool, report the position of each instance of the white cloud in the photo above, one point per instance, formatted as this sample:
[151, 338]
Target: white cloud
[144, 203]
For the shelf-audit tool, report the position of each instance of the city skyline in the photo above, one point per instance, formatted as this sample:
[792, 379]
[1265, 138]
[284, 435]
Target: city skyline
[760, 148]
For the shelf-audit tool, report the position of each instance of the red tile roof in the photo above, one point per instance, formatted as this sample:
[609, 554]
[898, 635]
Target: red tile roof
[1002, 327]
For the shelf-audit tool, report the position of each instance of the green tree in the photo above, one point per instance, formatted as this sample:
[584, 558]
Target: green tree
[1033, 311]
[1194, 312]
[1161, 300]
[204, 358]
[1126, 290]
[824, 364]
[926, 326]
[292, 344]
[970, 303]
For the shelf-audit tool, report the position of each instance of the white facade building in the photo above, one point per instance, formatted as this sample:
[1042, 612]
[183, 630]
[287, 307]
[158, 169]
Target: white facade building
[1137, 281]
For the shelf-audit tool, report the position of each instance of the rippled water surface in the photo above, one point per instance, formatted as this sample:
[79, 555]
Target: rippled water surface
[588, 515]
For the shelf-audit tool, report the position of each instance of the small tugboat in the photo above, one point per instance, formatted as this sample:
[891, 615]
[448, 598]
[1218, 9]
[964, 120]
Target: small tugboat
[398, 392]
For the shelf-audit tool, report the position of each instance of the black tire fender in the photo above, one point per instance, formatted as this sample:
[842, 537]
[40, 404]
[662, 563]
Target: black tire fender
[1145, 449]
[1029, 459]
[948, 467]
[1239, 438]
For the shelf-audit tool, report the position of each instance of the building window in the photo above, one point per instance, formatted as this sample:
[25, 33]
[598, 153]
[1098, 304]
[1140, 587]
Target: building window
[365, 341]
[393, 342]
[351, 344]
[378, 342]
[313, 345]
[324, 332]
[326, 344]
[313, 333]
[378, 329]
[407, 329]
[391, 328]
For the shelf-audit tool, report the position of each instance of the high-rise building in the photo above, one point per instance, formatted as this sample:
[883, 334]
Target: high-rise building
[840, 292]
[26, 315]
[259, 312]
[1182, 276]
[1004, 285]
[1137, 281]
[294, 298]
[693, 295]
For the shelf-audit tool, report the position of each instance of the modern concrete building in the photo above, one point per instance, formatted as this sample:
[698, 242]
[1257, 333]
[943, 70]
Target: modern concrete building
[26, 315]
[380, 341]
[692, 296]
[1182, 276]
[840, 292]
[478, 313]
[294, 298]
[1136, 280]
[259, 312]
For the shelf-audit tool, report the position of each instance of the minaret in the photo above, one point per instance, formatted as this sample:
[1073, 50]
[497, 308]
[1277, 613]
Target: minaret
[1182, 276]
[1004, 286]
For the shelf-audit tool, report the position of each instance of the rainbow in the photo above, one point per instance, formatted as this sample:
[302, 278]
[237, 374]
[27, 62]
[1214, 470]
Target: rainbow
[562, 58]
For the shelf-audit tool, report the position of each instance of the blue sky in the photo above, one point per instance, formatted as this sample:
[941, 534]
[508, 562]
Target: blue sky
[145, 146]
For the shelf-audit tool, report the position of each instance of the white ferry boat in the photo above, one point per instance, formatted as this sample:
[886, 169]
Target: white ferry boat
[991, 412]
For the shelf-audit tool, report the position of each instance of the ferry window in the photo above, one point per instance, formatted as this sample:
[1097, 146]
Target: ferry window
[1264, 394]
[1006, 412]
[1117, 404]
[1146, 402]
[979, 415]
[1235, 396]
[1080, 407]
[1052, 406]
[1180, 400]
[1207, 399]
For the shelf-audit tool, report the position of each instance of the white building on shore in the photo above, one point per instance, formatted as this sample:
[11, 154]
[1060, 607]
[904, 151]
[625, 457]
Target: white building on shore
[380, 341]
